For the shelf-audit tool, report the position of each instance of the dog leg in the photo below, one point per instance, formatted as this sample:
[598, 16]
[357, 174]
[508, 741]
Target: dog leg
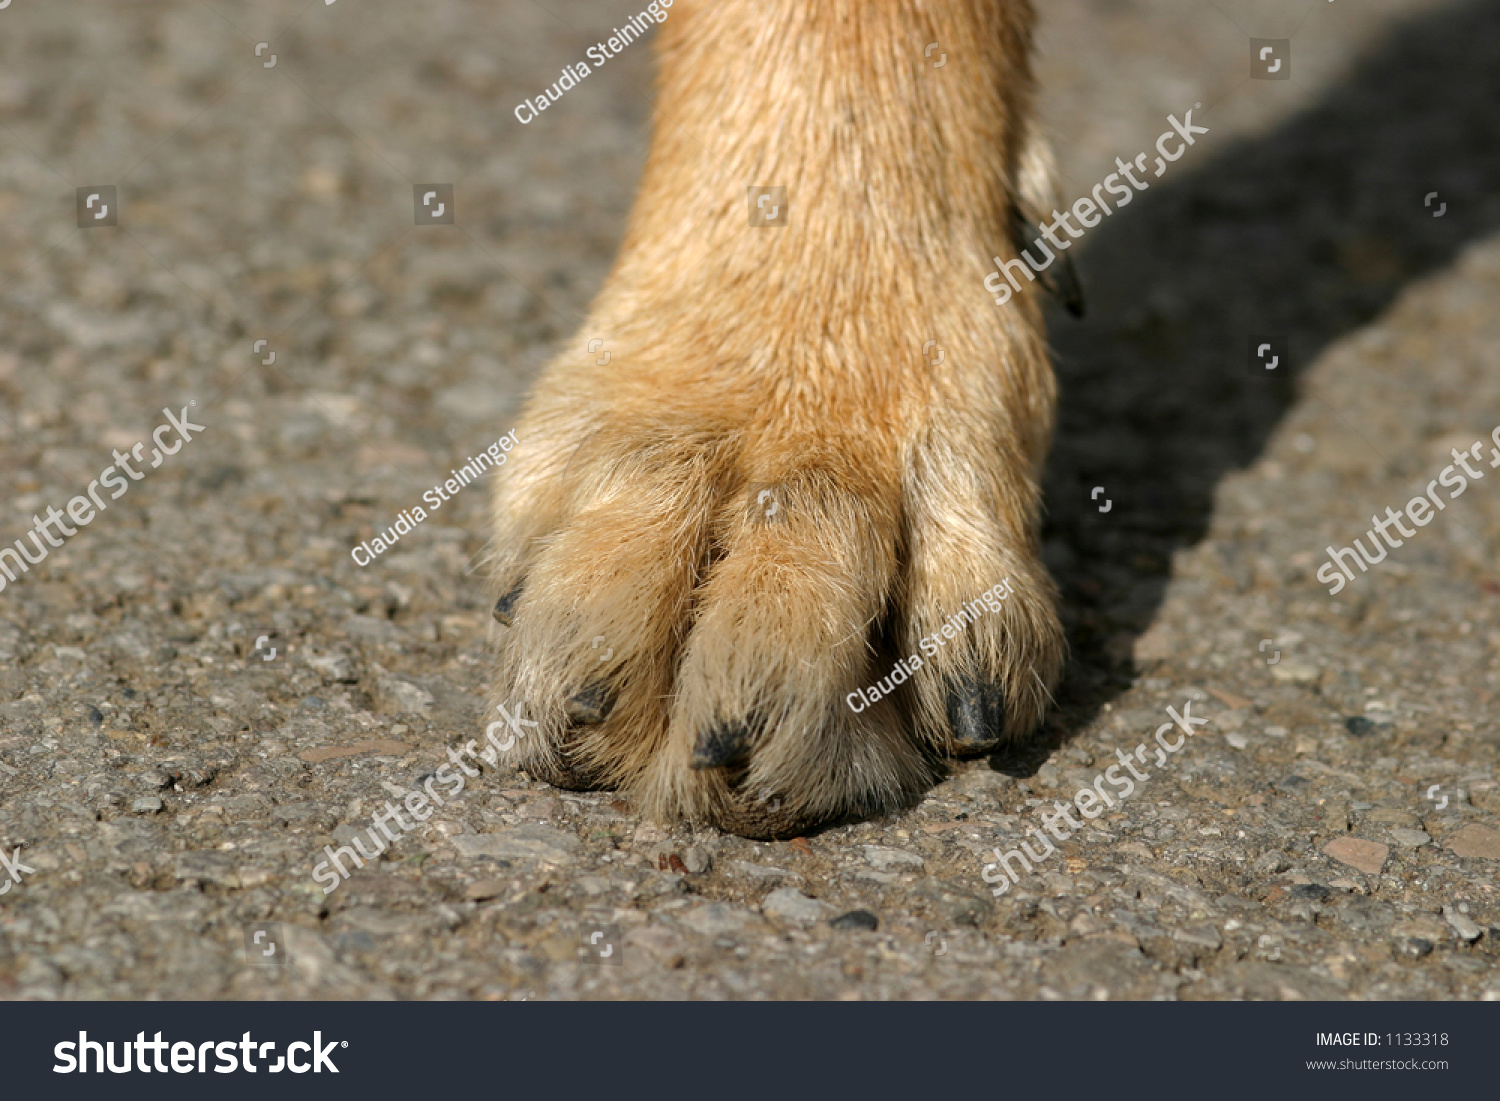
[816, 445]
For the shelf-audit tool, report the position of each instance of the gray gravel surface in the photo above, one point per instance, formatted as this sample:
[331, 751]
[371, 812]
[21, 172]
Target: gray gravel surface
[171, 783]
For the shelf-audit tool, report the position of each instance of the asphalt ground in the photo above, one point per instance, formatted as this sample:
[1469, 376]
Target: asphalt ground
[201, 693]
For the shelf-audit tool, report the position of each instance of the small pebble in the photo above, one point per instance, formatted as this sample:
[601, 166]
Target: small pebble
[856, 919]
[1409, 838]
[883, 857]
[792, 905]
[147, 804]
[1270, 863]
[1313, 892]
[1462, 925]
[1365, 856]
[1413, 948]
[1474, 841]
[1293, 671]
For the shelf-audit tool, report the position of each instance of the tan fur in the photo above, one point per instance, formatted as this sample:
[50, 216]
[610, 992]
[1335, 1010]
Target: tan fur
[792, 359]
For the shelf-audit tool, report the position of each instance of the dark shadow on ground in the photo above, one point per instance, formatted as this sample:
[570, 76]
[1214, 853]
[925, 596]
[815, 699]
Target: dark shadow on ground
[1306, 233]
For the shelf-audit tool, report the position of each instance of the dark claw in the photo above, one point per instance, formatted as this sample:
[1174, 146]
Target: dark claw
[505, 607]
[728, 744]
[976, 715]
[1059, 279]
[1065, 287]
[591, 705]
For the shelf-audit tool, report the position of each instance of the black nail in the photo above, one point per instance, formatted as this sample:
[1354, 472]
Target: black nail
[591, 705]
[726, 744]
[1061, 279]
[505, 607]
[976, 714]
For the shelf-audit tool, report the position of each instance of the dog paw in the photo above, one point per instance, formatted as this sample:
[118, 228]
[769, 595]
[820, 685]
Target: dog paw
[765, 628]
